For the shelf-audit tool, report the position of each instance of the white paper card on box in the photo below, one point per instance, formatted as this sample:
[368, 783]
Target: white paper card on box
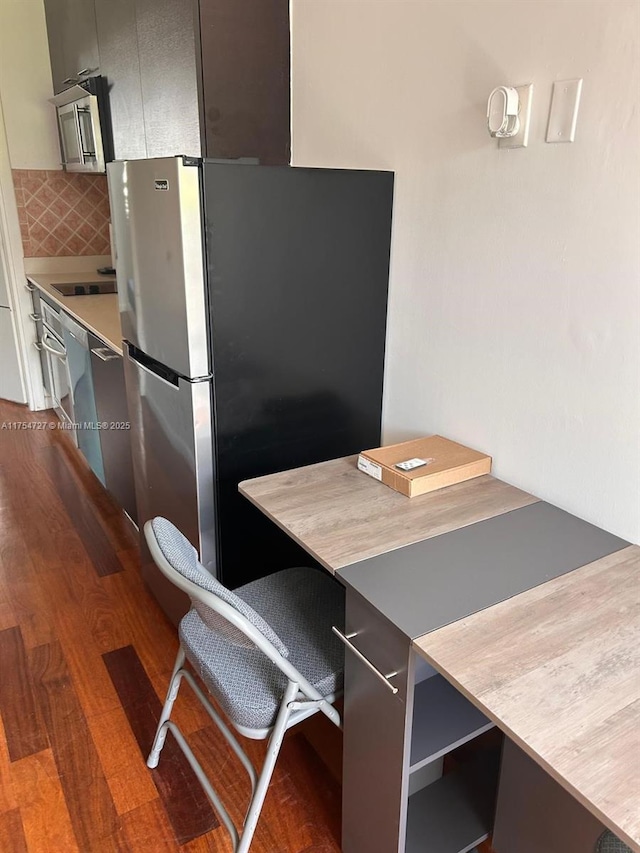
[410, 464]
[369, 468]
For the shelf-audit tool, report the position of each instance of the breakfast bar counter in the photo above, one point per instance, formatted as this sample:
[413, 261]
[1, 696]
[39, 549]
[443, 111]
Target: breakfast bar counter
[478, 579]
[559, 673]
[340, 515]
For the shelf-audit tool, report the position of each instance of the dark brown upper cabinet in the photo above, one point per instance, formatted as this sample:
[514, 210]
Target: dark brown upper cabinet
[73, 40]
[208, 78]
[246, 79]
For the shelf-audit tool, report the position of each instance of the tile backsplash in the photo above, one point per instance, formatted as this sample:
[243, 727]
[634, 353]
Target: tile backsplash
[62, 213]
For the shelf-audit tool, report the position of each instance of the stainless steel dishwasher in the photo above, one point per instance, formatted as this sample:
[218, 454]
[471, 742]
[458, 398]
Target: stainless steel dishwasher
[87, 427]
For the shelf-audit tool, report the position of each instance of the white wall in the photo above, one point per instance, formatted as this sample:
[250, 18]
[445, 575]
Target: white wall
[28, 140]
[25, 85]
[515, 310]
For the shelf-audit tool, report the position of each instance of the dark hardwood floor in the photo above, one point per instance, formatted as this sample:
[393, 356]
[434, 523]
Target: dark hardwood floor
[85, 657]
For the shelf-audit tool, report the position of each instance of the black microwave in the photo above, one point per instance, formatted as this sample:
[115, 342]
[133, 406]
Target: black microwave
[84, 126]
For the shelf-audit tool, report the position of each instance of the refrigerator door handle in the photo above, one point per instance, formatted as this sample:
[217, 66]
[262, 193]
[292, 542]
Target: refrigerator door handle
[161, 370]
[150, 365]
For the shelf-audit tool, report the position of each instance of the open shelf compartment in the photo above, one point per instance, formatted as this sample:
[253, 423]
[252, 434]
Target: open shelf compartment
[442, 720]
[454, 814]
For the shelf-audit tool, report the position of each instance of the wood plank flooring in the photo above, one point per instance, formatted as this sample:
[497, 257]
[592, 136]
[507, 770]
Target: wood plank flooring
[85, 658]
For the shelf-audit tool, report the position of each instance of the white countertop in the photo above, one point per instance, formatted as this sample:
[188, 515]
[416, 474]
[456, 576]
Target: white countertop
[99, 313]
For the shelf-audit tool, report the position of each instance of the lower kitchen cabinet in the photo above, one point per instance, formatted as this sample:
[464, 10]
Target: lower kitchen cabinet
[401, 719]
[84, 380]
[113, 418]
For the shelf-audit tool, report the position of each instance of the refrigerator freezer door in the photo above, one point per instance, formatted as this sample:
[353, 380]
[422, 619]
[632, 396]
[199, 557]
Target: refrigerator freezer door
[157, 229]
[173, 465]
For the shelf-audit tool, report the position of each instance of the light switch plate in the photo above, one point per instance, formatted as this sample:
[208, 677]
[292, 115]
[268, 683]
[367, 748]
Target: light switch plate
[563, 115]
[521, 139]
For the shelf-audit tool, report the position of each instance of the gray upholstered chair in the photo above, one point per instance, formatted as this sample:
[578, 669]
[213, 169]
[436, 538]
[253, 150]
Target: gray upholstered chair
[610, 843]
[265, 652]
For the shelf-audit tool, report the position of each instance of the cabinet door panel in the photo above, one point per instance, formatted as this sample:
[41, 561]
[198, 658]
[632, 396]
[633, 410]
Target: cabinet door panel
[112, 410]
[73, 42]
[534, 813]
[167, 49]
[55, 16]
[374, 791]
[245, 79]
[119, 63]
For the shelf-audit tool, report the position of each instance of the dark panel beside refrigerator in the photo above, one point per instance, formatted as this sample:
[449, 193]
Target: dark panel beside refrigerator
[297, 264]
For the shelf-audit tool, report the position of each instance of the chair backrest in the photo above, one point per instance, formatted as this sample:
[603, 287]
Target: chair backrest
[175, 555]
[256, 631]
[238, 621]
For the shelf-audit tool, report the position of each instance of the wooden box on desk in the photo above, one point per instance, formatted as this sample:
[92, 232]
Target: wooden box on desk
[447, 463]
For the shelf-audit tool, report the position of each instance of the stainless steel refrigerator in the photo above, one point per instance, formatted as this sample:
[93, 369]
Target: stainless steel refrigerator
[253, 302]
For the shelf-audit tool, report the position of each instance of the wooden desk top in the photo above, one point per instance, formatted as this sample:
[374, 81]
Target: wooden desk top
[340, 515]
[557, 668]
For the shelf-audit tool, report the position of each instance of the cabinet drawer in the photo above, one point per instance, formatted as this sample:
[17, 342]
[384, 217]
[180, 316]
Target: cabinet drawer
[385, 647]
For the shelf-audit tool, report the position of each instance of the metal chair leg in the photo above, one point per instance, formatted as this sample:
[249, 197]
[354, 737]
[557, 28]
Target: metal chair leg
[287, 706]
[172, 692]
[224, 729]
[209, 790]
[273, 749]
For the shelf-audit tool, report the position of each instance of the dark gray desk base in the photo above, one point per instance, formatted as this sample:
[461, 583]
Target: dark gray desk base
[399, 596]
[385, 742]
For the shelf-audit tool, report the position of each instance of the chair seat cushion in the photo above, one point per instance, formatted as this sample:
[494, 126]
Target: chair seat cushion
[301, 605]
[609, 843]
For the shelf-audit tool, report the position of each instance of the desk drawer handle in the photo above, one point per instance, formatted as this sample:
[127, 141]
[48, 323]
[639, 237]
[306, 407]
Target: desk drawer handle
[347, 641]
